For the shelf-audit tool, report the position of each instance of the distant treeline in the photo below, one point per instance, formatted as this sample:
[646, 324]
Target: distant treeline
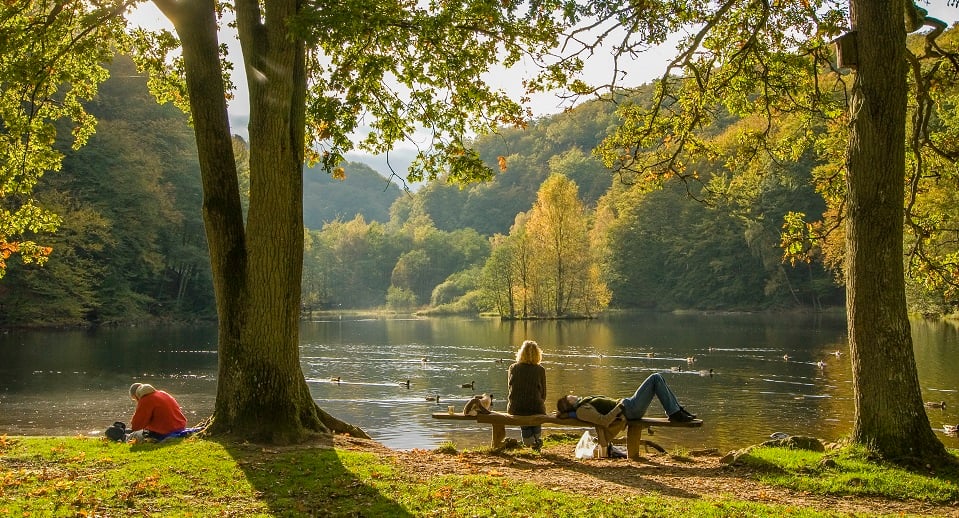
[132, 244]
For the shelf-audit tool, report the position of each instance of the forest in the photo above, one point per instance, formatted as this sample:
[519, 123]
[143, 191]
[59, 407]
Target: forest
[132, 248]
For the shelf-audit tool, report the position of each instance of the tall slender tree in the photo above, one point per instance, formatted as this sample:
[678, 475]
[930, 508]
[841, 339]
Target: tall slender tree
[558, 227]
[545, 267]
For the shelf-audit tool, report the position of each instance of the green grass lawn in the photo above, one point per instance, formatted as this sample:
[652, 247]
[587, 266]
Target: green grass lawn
[195, 477]
[847, 472]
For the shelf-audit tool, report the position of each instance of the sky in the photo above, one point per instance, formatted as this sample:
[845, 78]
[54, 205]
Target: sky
[646, 68]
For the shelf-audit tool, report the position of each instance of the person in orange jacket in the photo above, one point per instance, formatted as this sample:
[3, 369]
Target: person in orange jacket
[157, 415]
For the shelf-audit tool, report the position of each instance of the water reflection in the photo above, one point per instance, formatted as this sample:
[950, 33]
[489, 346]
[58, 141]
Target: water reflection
[747, 376]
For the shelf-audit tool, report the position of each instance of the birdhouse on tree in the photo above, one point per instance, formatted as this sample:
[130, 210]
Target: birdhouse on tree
[847, 50]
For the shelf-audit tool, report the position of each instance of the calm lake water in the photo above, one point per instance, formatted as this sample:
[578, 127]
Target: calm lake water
[65, 383]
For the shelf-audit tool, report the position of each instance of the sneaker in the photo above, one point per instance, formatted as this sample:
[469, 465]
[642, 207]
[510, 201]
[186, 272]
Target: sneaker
[537, 445]
[681, 416]
[615, 452]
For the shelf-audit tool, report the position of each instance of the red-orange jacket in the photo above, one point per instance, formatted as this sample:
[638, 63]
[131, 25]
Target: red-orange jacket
[158, 412]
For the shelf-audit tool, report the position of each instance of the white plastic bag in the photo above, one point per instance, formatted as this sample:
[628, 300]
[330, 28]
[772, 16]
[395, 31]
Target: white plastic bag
[586, 447]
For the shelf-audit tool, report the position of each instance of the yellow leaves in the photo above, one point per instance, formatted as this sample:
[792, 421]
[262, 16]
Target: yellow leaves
[11, 480]
[8, 249]
[40, 491]
[30, 252]
[501, 161]
[148, 485]
[796, 238]
[62, 485]
[339, 174]
[322, 129]
[443, 493]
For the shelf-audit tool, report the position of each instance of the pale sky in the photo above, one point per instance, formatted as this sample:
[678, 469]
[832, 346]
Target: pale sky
[648, 67]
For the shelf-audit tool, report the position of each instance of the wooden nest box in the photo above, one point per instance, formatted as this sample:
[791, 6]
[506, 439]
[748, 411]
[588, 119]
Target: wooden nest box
[847, 50]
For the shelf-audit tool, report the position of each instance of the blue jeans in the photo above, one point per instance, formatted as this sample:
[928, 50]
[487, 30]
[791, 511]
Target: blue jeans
[530, 433]
[635, 407]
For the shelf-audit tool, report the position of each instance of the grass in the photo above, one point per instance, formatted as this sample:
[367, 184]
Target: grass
[197, 478]
[850, 472]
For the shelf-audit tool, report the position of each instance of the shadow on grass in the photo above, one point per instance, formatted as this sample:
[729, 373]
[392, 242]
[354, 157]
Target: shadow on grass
[622, 472]
[311, 480]
[627, 474]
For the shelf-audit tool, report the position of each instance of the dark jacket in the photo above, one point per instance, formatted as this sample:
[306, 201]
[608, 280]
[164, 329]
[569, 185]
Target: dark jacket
[603, 404]
[527, 389]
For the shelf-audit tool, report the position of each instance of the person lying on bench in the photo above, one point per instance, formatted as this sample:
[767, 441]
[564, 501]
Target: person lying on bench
[604, 411]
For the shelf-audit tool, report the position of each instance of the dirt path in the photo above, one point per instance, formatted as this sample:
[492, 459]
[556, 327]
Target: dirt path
[693, 477]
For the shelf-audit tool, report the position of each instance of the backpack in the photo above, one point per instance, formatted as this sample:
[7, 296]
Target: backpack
[117, 432]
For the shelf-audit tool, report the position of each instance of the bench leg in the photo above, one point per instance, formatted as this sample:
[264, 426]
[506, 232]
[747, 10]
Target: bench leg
[634, 438]
[499, 434]
[603, 442]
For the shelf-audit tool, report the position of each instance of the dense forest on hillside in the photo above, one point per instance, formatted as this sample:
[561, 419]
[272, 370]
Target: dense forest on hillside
[132, 245]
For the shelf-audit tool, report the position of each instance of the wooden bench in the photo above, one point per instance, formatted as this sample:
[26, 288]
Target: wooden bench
[634, 428]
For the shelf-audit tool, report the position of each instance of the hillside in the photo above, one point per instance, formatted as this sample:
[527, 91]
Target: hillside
[561, 143]
[363, 191]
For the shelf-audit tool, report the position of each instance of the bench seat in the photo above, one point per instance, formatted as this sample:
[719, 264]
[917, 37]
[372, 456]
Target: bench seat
[634, 427]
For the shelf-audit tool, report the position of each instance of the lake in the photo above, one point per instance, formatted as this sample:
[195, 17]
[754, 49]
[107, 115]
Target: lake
[765, 375]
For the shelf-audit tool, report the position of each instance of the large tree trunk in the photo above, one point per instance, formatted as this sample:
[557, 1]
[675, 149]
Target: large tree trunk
[266, 383]
[890, 416]
[261, 393]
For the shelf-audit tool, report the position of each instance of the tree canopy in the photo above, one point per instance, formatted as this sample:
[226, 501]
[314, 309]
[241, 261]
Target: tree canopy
[131, 245]
[52, 60]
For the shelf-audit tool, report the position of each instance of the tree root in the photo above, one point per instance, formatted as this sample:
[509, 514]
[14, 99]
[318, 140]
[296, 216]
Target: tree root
[337, 426]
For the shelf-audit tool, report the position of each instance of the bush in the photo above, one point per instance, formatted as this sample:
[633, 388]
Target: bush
[400, 299]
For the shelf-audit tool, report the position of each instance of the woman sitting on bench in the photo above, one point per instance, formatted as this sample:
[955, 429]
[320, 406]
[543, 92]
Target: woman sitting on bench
[603, 410]
[527, 390]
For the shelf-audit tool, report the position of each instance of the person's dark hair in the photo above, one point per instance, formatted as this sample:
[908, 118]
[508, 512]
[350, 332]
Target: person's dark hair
[563, 406]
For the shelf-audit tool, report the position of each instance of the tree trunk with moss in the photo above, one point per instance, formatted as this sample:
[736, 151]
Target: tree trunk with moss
[890, 415]
[261, 393]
